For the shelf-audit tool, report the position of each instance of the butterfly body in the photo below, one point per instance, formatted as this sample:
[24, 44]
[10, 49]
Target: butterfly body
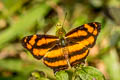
[63, 50]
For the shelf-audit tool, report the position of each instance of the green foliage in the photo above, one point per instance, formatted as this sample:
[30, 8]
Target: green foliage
[89, 73]
[85, 73]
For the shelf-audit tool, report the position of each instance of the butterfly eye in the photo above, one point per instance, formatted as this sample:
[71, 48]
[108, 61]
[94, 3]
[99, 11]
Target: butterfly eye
[58, 25]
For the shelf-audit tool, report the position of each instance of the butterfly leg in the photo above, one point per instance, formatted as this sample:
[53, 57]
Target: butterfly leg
[65, 52]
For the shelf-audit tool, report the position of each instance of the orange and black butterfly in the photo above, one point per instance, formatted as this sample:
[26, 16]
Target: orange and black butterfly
[64, 50]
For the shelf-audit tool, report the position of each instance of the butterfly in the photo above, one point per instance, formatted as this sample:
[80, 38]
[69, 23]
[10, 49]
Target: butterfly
[64, 50]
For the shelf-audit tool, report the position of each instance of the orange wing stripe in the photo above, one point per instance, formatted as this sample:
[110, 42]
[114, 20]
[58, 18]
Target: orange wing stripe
[41, 41]
[91, 39]
[56, 64]
[25, 40]
[54, 53]
[95, 32]
[89, 28]
[32, 41]
[29, 46]
[78, 57]
[44, 41]
[78, 33]
[39, 52]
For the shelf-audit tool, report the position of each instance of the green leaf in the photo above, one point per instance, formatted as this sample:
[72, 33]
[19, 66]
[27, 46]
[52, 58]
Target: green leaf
[62, 75]
[89, 73]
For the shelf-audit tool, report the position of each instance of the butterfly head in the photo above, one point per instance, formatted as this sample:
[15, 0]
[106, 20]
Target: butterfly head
[60, 32]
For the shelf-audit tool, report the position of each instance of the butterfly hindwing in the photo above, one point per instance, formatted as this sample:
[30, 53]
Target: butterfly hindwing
[55, 59]
[87, 32]
[38, 45]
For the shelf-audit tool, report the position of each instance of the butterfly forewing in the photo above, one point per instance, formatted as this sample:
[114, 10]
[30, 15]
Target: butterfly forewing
[38, 45]
[82, 38]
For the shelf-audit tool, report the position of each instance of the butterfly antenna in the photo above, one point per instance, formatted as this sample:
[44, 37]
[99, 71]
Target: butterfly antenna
[64, 19]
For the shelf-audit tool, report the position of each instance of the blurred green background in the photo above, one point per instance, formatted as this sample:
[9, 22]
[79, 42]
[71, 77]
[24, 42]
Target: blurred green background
[19, 18]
